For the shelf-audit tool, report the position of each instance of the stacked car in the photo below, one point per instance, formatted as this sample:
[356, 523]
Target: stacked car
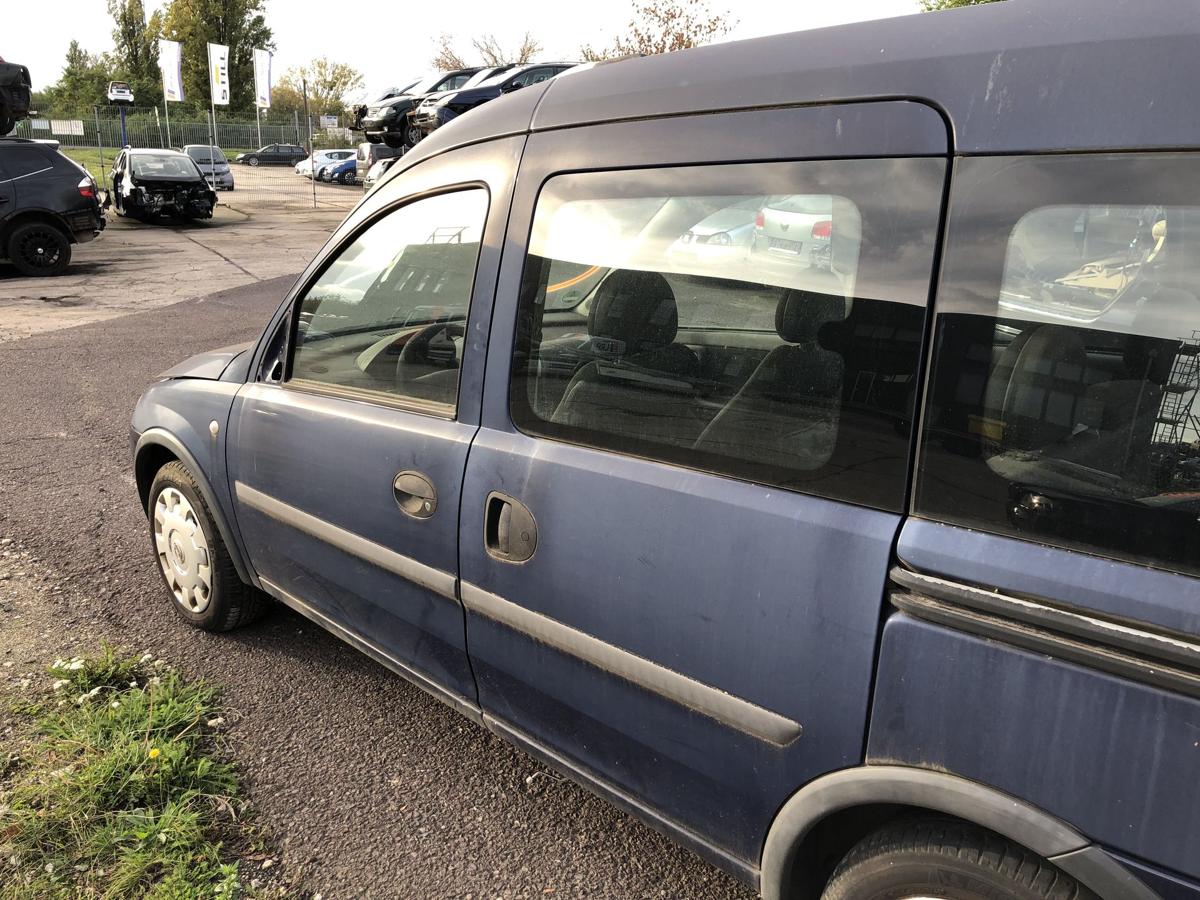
[435, 112]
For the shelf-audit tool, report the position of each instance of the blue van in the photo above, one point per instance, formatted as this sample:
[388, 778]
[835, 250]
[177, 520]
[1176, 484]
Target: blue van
[795, 441]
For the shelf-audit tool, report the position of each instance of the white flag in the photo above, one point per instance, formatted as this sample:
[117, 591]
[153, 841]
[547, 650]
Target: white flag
[170, 60]
[218, 73]
[262, 79]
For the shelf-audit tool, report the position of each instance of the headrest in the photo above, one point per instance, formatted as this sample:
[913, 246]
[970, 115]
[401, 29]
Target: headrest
[637, 308]
[800, 314]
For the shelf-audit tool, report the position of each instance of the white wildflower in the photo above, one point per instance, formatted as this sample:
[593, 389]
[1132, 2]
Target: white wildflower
[146, 657]
[133, 684]
[154, 680]
[75, 665]
[216, 723]
[162, 837]
[81, 699]
[58, 664]
[116, 704]
[49, 868]
[94, 691]
[60, 683]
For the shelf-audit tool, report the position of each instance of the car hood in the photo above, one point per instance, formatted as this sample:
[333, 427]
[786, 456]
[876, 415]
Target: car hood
[209, 365]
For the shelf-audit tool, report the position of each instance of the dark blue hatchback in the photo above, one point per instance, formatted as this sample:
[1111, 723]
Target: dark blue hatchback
[794, 441]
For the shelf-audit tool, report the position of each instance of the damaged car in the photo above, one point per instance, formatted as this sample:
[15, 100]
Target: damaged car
[16, 88]
[147, 183]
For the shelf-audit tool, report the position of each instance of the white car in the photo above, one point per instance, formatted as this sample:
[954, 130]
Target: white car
[120, 92]
[320, 159]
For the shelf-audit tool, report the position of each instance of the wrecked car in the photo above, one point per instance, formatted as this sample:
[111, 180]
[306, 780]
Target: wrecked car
[146, 183]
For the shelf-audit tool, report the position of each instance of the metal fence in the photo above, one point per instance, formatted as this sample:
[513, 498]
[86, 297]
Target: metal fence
[94, 141]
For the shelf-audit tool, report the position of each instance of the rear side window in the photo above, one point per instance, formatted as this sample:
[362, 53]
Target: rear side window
[386, 319]
[1067, 357]
[762, 322]
[25, 162]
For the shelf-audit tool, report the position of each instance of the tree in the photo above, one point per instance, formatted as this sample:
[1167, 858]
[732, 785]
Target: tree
[661, 26]
[447, 59]
[329, 86]
[135, 52]
[83, 83]
[933, 5]
[239, 24]
[491, 52]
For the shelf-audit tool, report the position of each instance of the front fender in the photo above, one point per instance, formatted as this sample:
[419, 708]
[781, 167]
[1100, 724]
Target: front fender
[177, 417]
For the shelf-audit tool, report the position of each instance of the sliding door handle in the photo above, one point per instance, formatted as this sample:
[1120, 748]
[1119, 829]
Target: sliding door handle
[509, 531]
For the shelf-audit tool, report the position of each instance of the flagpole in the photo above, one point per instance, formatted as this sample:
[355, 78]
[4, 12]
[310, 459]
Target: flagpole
[167, 113]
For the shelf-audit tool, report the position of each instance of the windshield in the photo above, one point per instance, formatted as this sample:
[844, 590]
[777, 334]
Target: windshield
[507, 73]
[425, 85]
[163, 165]
[485, 75]
[205, 155]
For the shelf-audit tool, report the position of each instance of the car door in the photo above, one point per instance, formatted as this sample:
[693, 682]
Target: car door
[8, 193]
[679, 511]
[347, 450]
[1048, 580]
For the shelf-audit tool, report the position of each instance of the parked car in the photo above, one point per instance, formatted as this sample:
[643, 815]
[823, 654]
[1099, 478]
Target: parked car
[853, 579]
[120, 93]
[360, 112]
[390, 122]
[726, 234]
[377, 171]
[320, 159]
[344, 171]
[213, 165]
[423, 115]
[16, 89]
[369, 154]
[149, 182]
[47, 203]
[795, 226]
[455, 103]
[273, 155]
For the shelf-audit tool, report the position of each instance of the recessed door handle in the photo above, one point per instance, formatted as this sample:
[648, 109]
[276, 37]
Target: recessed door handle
[509, 530]
[415, 495]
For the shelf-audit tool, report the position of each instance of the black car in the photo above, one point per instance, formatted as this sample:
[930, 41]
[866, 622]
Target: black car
[273, 155]
[15, 91]
[391, 122]
[455, 104]
[146, 183]
[47, 203]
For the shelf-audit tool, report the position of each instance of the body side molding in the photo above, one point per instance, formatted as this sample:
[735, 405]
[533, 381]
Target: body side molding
[725, 708]
[163, 438]
[925, 789]
[439, 582]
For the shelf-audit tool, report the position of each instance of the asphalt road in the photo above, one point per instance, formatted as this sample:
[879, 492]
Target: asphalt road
[367, 786]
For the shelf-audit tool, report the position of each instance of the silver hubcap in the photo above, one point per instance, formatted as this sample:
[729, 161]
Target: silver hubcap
[183, 552]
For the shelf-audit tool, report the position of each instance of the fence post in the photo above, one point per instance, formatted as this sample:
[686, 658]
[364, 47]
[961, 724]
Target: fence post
[296, 122]
[100, 149]
[312, 160]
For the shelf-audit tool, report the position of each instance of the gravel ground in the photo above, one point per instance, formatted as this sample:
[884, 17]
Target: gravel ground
[369, 787]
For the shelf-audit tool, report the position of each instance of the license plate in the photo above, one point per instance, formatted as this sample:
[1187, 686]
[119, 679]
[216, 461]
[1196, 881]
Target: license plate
[784, 246]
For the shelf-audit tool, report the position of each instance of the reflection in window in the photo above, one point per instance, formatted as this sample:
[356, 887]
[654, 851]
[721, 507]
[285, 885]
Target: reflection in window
[1078, 396]
[721, 330]
[389, 314]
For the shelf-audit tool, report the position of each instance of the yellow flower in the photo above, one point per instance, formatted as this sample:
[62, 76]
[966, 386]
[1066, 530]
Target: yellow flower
[153, 752]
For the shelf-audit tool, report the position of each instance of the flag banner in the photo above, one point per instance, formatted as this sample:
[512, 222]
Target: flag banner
[262, 79]
[170, 60]
[218, 73]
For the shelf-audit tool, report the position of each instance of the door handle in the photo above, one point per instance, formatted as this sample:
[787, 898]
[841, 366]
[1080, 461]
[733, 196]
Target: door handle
[415, 495]
[509, 530]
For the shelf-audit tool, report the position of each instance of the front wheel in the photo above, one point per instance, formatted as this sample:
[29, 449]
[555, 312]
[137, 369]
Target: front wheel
[943, 859]
[347, 178]
[39, 248]
[252, 161]
[195, 564]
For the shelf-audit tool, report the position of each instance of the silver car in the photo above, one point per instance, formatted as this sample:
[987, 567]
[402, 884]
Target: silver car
[212, 164]
[796, 227]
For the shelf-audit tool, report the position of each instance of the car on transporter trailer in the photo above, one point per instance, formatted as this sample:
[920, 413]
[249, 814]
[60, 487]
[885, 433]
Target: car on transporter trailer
[866, 568]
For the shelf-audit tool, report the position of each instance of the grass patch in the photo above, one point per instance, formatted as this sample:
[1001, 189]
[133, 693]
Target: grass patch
[119, 791]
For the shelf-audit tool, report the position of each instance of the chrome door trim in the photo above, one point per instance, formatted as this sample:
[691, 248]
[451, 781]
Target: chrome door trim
[436, 580]
[358, 642]
[731, 711]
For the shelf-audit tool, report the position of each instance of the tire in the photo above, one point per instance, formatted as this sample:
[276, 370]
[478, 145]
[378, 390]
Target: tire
[373, 138]
[182, 535]
[395, 141]
[39, 249]
[413, 136]
[347, 178]
[252, 161]
[944, 858]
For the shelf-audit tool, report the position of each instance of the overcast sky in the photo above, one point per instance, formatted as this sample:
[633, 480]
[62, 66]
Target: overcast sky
[387, 42]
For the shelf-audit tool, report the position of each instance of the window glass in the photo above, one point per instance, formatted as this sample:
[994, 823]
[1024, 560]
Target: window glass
[758, 321]
[388, 316]
[1063, 406]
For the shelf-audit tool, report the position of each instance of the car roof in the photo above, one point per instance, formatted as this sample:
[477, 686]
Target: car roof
[157, 151]
[1021, 76]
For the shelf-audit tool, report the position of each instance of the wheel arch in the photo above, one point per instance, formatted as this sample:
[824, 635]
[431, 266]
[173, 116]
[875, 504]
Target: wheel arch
[26, 216]
[155, 448]
[839, 809]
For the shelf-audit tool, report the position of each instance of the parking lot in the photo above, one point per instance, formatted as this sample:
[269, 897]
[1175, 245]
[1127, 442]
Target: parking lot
[364, 786]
